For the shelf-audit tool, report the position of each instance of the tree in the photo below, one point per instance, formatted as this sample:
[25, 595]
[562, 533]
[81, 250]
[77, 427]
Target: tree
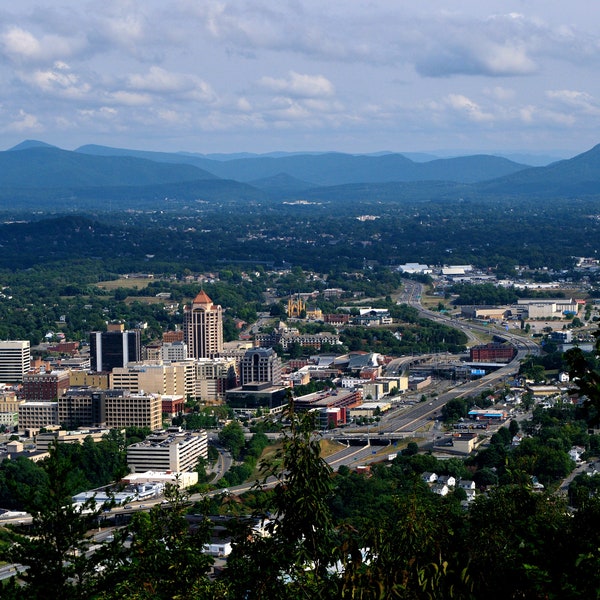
[293, 560]
[411, 449]
[54, 551]
[165, 558]
[516, 544]
[454, 410]
[584, 375]
[485, 477]
[513, 427]
[232, 437]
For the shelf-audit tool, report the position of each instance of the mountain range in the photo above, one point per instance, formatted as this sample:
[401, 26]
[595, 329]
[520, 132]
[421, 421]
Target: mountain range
[37, 175]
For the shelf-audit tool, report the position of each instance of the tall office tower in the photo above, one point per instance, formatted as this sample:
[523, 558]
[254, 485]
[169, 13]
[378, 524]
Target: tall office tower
[260, 365]
[203, 327]
[110, 349]
[15, 360]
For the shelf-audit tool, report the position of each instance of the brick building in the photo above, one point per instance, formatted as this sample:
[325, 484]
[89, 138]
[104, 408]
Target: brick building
[45, 387]
[492, 352]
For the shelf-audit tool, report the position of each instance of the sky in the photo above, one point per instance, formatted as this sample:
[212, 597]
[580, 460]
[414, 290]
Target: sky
[356, 76]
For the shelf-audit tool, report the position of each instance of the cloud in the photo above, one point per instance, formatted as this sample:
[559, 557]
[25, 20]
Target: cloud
[501, 45]
[297, 85]
[573, 99]
[463, 105]
[160, 81]
[125, 98]
[58, 80]
[500, 93]
[22, 46]
[24, 123]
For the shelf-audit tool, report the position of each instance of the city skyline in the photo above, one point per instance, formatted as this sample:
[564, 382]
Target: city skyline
[230, 77]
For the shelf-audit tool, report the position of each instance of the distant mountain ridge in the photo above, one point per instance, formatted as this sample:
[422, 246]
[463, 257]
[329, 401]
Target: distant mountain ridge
[334, 168]
[30, 165]
[579, 175]
[35, 174]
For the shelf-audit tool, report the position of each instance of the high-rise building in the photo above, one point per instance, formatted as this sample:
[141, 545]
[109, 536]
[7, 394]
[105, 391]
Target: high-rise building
[110, 349]
[15, 360]
[260, 365]
[214, 376]
[203, 327]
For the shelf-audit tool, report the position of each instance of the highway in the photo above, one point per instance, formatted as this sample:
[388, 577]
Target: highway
[410, 419]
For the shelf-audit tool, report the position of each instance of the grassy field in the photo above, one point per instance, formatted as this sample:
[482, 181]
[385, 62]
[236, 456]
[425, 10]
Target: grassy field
[269, 455]
[137, 283]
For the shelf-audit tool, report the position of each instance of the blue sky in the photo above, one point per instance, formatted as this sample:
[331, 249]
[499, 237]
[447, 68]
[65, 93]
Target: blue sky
[265, 75]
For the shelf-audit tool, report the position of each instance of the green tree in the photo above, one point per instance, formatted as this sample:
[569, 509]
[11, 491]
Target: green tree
[232, 438]
[54, 551]
[454, 410]
[517, 544]
[584, 374]
[165, 558]
[293, 560]
[513, 427]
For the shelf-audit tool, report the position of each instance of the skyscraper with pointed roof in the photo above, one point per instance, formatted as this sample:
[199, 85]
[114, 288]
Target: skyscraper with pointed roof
[203, 327]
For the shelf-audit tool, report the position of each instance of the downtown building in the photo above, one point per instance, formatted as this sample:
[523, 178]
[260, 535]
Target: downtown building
[45, 386]
[156, 377]
[114, 348]
[260, 365]
[203, 327]
[214, 376]
[166, 451]
[15, 360]
[88, 407]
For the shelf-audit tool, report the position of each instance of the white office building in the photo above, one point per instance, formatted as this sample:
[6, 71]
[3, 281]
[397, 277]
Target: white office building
[168, 451]
[15, 360]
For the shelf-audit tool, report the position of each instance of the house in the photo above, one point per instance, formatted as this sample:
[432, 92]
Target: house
[575, 453]
[447, 480]
[428, 477]
[470, 495]
[220, 548]
[441, 489]
[536, 485]
[466, 484]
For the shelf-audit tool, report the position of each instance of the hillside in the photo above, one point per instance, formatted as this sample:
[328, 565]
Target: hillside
[35, 166]
[577, 176]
